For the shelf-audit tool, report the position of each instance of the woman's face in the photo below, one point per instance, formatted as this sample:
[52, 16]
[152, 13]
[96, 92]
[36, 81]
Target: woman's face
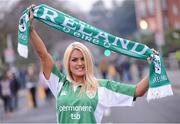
[76, 64]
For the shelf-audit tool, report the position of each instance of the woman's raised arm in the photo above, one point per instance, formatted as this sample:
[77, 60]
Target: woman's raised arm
[143, 85]
[45, 57]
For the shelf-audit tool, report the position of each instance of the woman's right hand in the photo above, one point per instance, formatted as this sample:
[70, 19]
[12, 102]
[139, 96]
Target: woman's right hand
[31, 16]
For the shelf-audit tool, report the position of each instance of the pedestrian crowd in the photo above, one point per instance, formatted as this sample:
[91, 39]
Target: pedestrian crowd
[119, 68]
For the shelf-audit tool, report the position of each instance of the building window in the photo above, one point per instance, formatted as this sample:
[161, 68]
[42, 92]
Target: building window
[177, 25]
[143, 8]
[164, 4]
[151, 7]
[165, 23]
[175, 10]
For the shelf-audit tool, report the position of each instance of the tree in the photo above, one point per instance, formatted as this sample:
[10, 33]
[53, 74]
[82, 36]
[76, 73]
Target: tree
[123, 18]
[172, 43]
[50, 36]
[120, 20]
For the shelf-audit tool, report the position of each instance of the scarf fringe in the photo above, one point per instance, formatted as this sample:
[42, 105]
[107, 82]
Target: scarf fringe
[159, 92]
[22, 50]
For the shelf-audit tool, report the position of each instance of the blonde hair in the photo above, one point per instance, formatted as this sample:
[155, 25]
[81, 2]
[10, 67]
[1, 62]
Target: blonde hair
[90, 83]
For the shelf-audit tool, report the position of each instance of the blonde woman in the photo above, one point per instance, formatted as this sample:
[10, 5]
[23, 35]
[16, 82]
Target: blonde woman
[80, 96]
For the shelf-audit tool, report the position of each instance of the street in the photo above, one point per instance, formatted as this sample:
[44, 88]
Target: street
[163, 110]
[159, 111]
[44, 113]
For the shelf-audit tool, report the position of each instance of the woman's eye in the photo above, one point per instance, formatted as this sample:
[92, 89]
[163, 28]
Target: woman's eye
[74, 60]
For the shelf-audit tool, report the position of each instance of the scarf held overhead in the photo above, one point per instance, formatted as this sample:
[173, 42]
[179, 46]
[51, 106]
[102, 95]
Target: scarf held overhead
[159, 84]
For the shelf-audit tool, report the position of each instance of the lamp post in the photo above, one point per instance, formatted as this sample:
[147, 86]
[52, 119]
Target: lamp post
[9, 54]
[159, 35]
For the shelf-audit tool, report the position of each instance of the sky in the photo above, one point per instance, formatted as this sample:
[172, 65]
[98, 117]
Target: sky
[5, 6]
[86, 5]
[6, 3]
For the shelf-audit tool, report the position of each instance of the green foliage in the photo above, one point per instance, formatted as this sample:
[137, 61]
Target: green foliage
[145, 38]
[124, 19]
[120, 20]
[148, 40]
[178, 55]
[172, 42]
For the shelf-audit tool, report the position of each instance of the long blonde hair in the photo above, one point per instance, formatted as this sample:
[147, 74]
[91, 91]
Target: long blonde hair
[90, 83]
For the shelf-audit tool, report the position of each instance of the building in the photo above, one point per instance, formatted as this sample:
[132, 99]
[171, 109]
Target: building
[157, 16]
[147, 10]
[173, 13]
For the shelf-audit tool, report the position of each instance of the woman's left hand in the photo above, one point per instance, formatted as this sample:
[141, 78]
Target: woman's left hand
[150, 57]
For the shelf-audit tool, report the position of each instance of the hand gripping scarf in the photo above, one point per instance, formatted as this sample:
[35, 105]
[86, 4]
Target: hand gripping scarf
[159, 84]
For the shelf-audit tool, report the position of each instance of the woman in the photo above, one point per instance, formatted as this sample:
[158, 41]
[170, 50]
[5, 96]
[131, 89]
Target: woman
[80, 96]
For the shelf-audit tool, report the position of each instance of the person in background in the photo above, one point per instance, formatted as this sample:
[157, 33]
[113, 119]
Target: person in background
[103, 67]
[15, 86]
[6, 94]
[126, 66]
[0, 86]
[140, 67]
[31, 83]
[42, 83]
[112, 72]
[22, 77]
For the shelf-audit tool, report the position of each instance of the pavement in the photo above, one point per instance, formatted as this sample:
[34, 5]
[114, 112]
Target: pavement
[25, 107]
[175, 80]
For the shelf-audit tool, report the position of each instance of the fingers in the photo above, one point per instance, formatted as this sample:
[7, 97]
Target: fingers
[149, 58]
[31, 6]
[31, 16]
[156, 52]
[30, 10]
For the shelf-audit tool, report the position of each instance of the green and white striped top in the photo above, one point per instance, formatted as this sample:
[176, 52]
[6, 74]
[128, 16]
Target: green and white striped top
[71, 107]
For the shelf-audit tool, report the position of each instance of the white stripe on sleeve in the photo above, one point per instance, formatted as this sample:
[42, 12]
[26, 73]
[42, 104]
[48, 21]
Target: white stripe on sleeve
[54, 84]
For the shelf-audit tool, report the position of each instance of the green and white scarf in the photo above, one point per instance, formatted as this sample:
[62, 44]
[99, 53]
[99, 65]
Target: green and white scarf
[159, 84]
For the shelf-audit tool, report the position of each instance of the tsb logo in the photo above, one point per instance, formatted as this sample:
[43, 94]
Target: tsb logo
[75, 116]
